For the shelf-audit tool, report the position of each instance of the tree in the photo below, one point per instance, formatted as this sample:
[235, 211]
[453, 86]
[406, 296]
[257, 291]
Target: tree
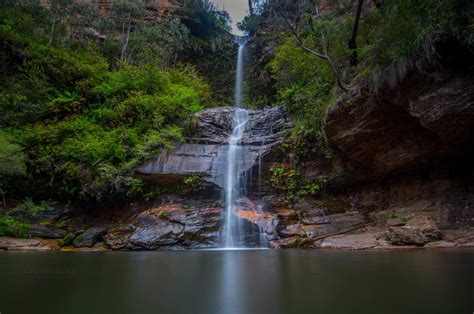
[353, 40]
[12, 161]
[60, 11]
[323, 55]
[126, 12]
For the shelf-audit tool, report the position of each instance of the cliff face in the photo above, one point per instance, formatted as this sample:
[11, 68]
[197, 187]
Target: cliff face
[402, 174]
[426, 118]
[205, 151]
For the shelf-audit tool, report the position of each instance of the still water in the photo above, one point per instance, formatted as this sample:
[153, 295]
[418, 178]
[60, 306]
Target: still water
[240, 282]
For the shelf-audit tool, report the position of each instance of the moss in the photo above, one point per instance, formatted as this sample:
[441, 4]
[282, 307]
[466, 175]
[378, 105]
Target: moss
[392, 215]
[72, 237]
[403, 218]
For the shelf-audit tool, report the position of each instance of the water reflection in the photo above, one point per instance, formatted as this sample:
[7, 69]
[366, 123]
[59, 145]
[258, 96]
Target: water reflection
[238, 282]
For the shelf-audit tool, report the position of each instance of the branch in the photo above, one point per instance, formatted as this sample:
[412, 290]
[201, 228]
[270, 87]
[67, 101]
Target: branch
[3, 200]
[345, 231]
[312, 240]
[319, 55]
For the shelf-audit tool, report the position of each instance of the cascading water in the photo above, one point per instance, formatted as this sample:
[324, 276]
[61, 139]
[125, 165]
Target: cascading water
[232, 189]
[232, 181]
[239, 78]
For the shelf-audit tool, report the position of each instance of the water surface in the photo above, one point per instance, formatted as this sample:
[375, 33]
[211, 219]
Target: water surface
[240, 282]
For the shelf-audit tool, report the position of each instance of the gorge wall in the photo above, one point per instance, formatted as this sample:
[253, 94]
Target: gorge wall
[401, 176]
[402, 165]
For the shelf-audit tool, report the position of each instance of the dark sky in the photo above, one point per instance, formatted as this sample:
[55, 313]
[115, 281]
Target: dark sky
[237, 9]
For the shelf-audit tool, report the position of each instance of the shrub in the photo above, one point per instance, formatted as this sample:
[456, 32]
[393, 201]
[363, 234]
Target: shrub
[13, 228]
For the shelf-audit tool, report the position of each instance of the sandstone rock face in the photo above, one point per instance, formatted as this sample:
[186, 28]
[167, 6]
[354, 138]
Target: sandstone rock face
[168, 227]
[418, 231]
[11, 244]
[205, 150]
[363, 241]
[428, 116]
[289, 228]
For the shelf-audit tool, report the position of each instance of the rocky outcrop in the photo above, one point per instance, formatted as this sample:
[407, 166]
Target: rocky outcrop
[417, 231]
[12, 244]
[362, 241]
[205, 150]
[427, 117]
[89, 237]
[168, 227]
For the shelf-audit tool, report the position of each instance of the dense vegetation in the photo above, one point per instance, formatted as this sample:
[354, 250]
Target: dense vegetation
[305, 57]
[85, 97]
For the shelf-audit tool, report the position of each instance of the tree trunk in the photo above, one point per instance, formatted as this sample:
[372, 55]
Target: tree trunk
[51, 35]
[125, 44]
[4, 202]
[353, 41]
[250, 7]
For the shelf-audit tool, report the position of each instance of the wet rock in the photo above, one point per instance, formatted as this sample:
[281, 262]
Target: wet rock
[45, 232]
[153, 230]
[90, 237]
[205, 151]
[418, 231]
[202, 227]
[117, 238]
[168, 227]
[69, 238]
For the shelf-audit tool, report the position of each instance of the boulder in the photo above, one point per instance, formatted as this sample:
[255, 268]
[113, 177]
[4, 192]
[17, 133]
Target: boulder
[418, 231]
[202, 227]
[90, 237]
[117, 238]
[168, 227]
[153, 229]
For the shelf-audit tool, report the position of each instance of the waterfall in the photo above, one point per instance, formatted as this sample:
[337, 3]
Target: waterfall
[232, 181]
[239, 78]
[232, 188]
[237, 233]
